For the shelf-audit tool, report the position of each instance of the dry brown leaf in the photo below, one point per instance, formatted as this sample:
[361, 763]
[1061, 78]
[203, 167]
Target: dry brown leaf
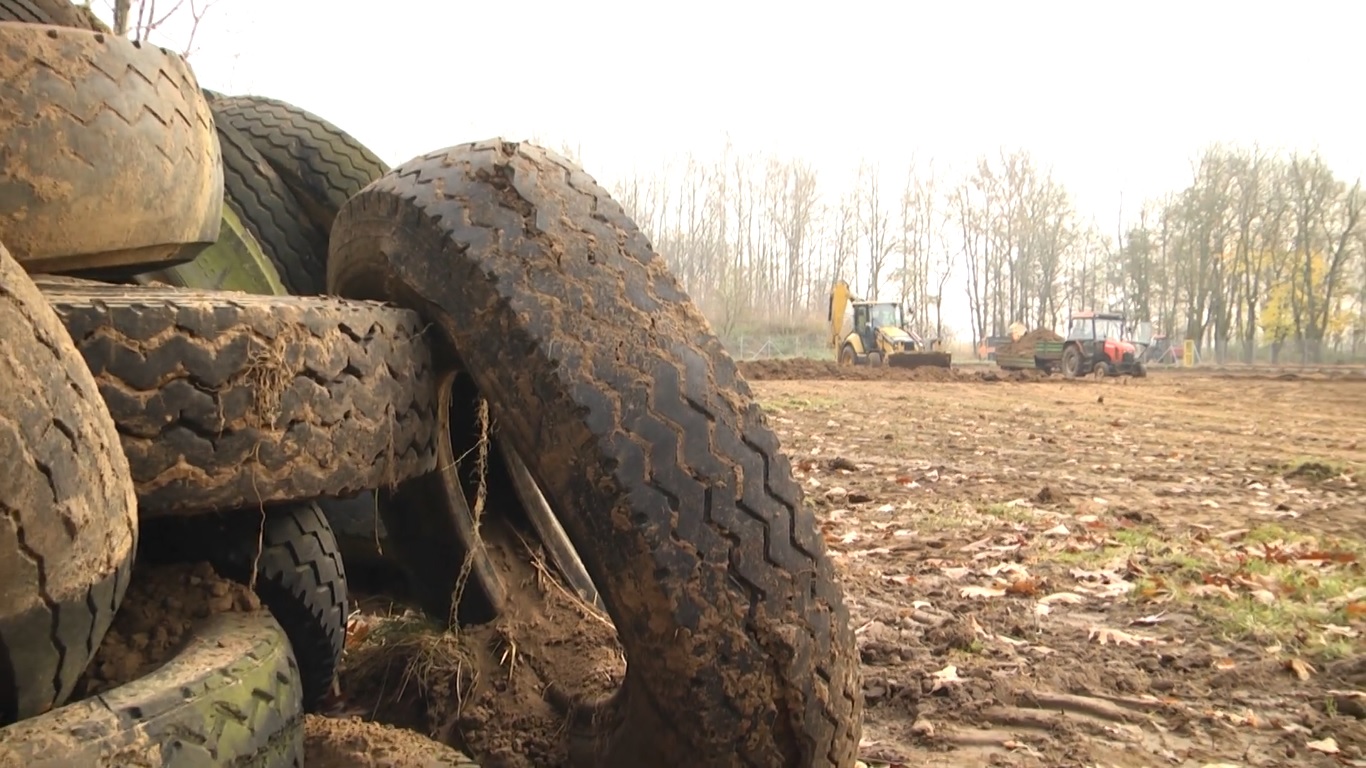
[1107, 635]
[1069, 598]
[1328, 746]
[982, 592]
[1302, 669]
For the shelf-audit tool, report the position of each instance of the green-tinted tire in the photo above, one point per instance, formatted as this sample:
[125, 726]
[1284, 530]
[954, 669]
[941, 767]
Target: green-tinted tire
[232, 696]
[234, 263]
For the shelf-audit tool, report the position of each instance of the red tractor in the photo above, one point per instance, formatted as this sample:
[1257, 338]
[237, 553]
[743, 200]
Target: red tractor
[1097, 344]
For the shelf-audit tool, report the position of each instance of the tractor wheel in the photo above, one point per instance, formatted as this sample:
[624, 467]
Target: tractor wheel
[230, 401]
[271, 213]
[297, 572]
[320, 163]
[660, 466]
[92, 112]
[1101, 370]
[231, 696]
[68, 515]
[60, 13]
[875, 359]
[1140, 370]
[847, 355]
[1071, 362]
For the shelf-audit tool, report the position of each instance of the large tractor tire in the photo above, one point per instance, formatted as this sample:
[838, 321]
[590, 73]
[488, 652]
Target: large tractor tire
[61, 13]
[108, 162]
[321, 164]
[230, 697]
[292, 562]
[230, 401]
[636, 425]
[234, 263]
[271, 213]
[1072, 362]
[68, 516]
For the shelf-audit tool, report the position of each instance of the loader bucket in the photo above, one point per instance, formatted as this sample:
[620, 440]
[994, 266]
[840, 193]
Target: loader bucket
[920, 360]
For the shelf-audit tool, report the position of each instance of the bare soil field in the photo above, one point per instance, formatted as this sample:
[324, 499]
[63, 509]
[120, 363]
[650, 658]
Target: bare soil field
[1123, 572]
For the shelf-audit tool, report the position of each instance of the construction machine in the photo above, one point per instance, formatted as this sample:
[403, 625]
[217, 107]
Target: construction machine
[1097, 343]
[878, 336]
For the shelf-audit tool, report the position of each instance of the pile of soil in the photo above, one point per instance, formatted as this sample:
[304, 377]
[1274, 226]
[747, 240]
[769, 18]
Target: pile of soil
[354, 743]
[1024, 346]
[484, 689]
[162, 606]
[807, 369]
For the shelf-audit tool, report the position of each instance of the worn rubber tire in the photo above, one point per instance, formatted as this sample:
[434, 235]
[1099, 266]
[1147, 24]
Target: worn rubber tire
[642, 435]
[320, 163]
[192, 378]
[298, 570]
[68, 516]
[61, 13]
[234, 263]
[87, 111]
[231, 696]
[271, 213]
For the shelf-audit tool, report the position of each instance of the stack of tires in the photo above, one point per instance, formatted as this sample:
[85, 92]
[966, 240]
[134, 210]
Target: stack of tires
[182, 381]
[147, 414]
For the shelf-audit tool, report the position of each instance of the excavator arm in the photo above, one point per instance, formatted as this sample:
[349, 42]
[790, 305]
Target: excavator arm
[839, 302]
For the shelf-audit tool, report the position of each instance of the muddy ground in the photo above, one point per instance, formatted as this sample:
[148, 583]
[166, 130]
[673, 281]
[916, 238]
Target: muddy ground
[1041, 572]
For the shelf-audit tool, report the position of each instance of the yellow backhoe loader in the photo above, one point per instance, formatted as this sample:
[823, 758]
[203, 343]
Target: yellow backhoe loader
[878, 336]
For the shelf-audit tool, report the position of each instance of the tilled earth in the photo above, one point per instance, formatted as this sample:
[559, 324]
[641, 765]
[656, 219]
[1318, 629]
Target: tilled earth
[1041, 572]
[1122, 572]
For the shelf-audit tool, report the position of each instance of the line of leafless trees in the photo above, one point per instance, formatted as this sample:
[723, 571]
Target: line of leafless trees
[1262, 253]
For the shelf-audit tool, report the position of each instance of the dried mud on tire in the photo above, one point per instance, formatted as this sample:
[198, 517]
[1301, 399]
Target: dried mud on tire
[62, 13]
[228, 401]
[230, 697]
[68, 516]
[642, 434]
[90, 111]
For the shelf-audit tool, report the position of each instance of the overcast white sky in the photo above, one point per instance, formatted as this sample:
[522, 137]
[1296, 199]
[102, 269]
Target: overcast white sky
[1117, 97]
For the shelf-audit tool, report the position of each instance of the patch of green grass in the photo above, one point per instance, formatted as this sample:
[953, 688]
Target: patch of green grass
[1014, 514]
[1314, 468]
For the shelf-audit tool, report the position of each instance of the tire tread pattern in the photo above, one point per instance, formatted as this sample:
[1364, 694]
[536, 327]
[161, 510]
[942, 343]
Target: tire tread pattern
[640, 430]
[68, 515]
[232, 696]
[225, 400]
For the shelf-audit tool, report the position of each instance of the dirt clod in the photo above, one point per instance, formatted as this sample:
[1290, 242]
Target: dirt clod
[161, 607]
[354, 743]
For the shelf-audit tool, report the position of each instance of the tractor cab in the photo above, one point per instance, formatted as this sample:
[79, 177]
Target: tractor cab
[1097, 342]
[872, 317]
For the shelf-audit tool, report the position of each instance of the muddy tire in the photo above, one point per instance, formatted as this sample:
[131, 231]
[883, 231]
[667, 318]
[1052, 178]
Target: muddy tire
[298, 575]
[1071, 362]
[271, 213]
[230, 697]
[68, 516]
[638, 428]
[90, 111]
[320, 163]
[61, 13]
[230, 401]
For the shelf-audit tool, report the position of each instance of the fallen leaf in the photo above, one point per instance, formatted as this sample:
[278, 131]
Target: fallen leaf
[1328, 746]
[1057, 531]
[1023, 587]
[981, 592]
[1301, 668]
[1106, 635]
[1069, 598]
[944, 678]
[1148, 621]
[1264, 596]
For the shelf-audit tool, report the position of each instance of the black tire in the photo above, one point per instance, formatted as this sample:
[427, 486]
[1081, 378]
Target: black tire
[229, 401]
[320, 163]
[1071, 362]
[298, 575]
[230, 697]
[272, 214]
[109, 163]
[68, 515]
[643, 436]
[234, 263]
[61, 13]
